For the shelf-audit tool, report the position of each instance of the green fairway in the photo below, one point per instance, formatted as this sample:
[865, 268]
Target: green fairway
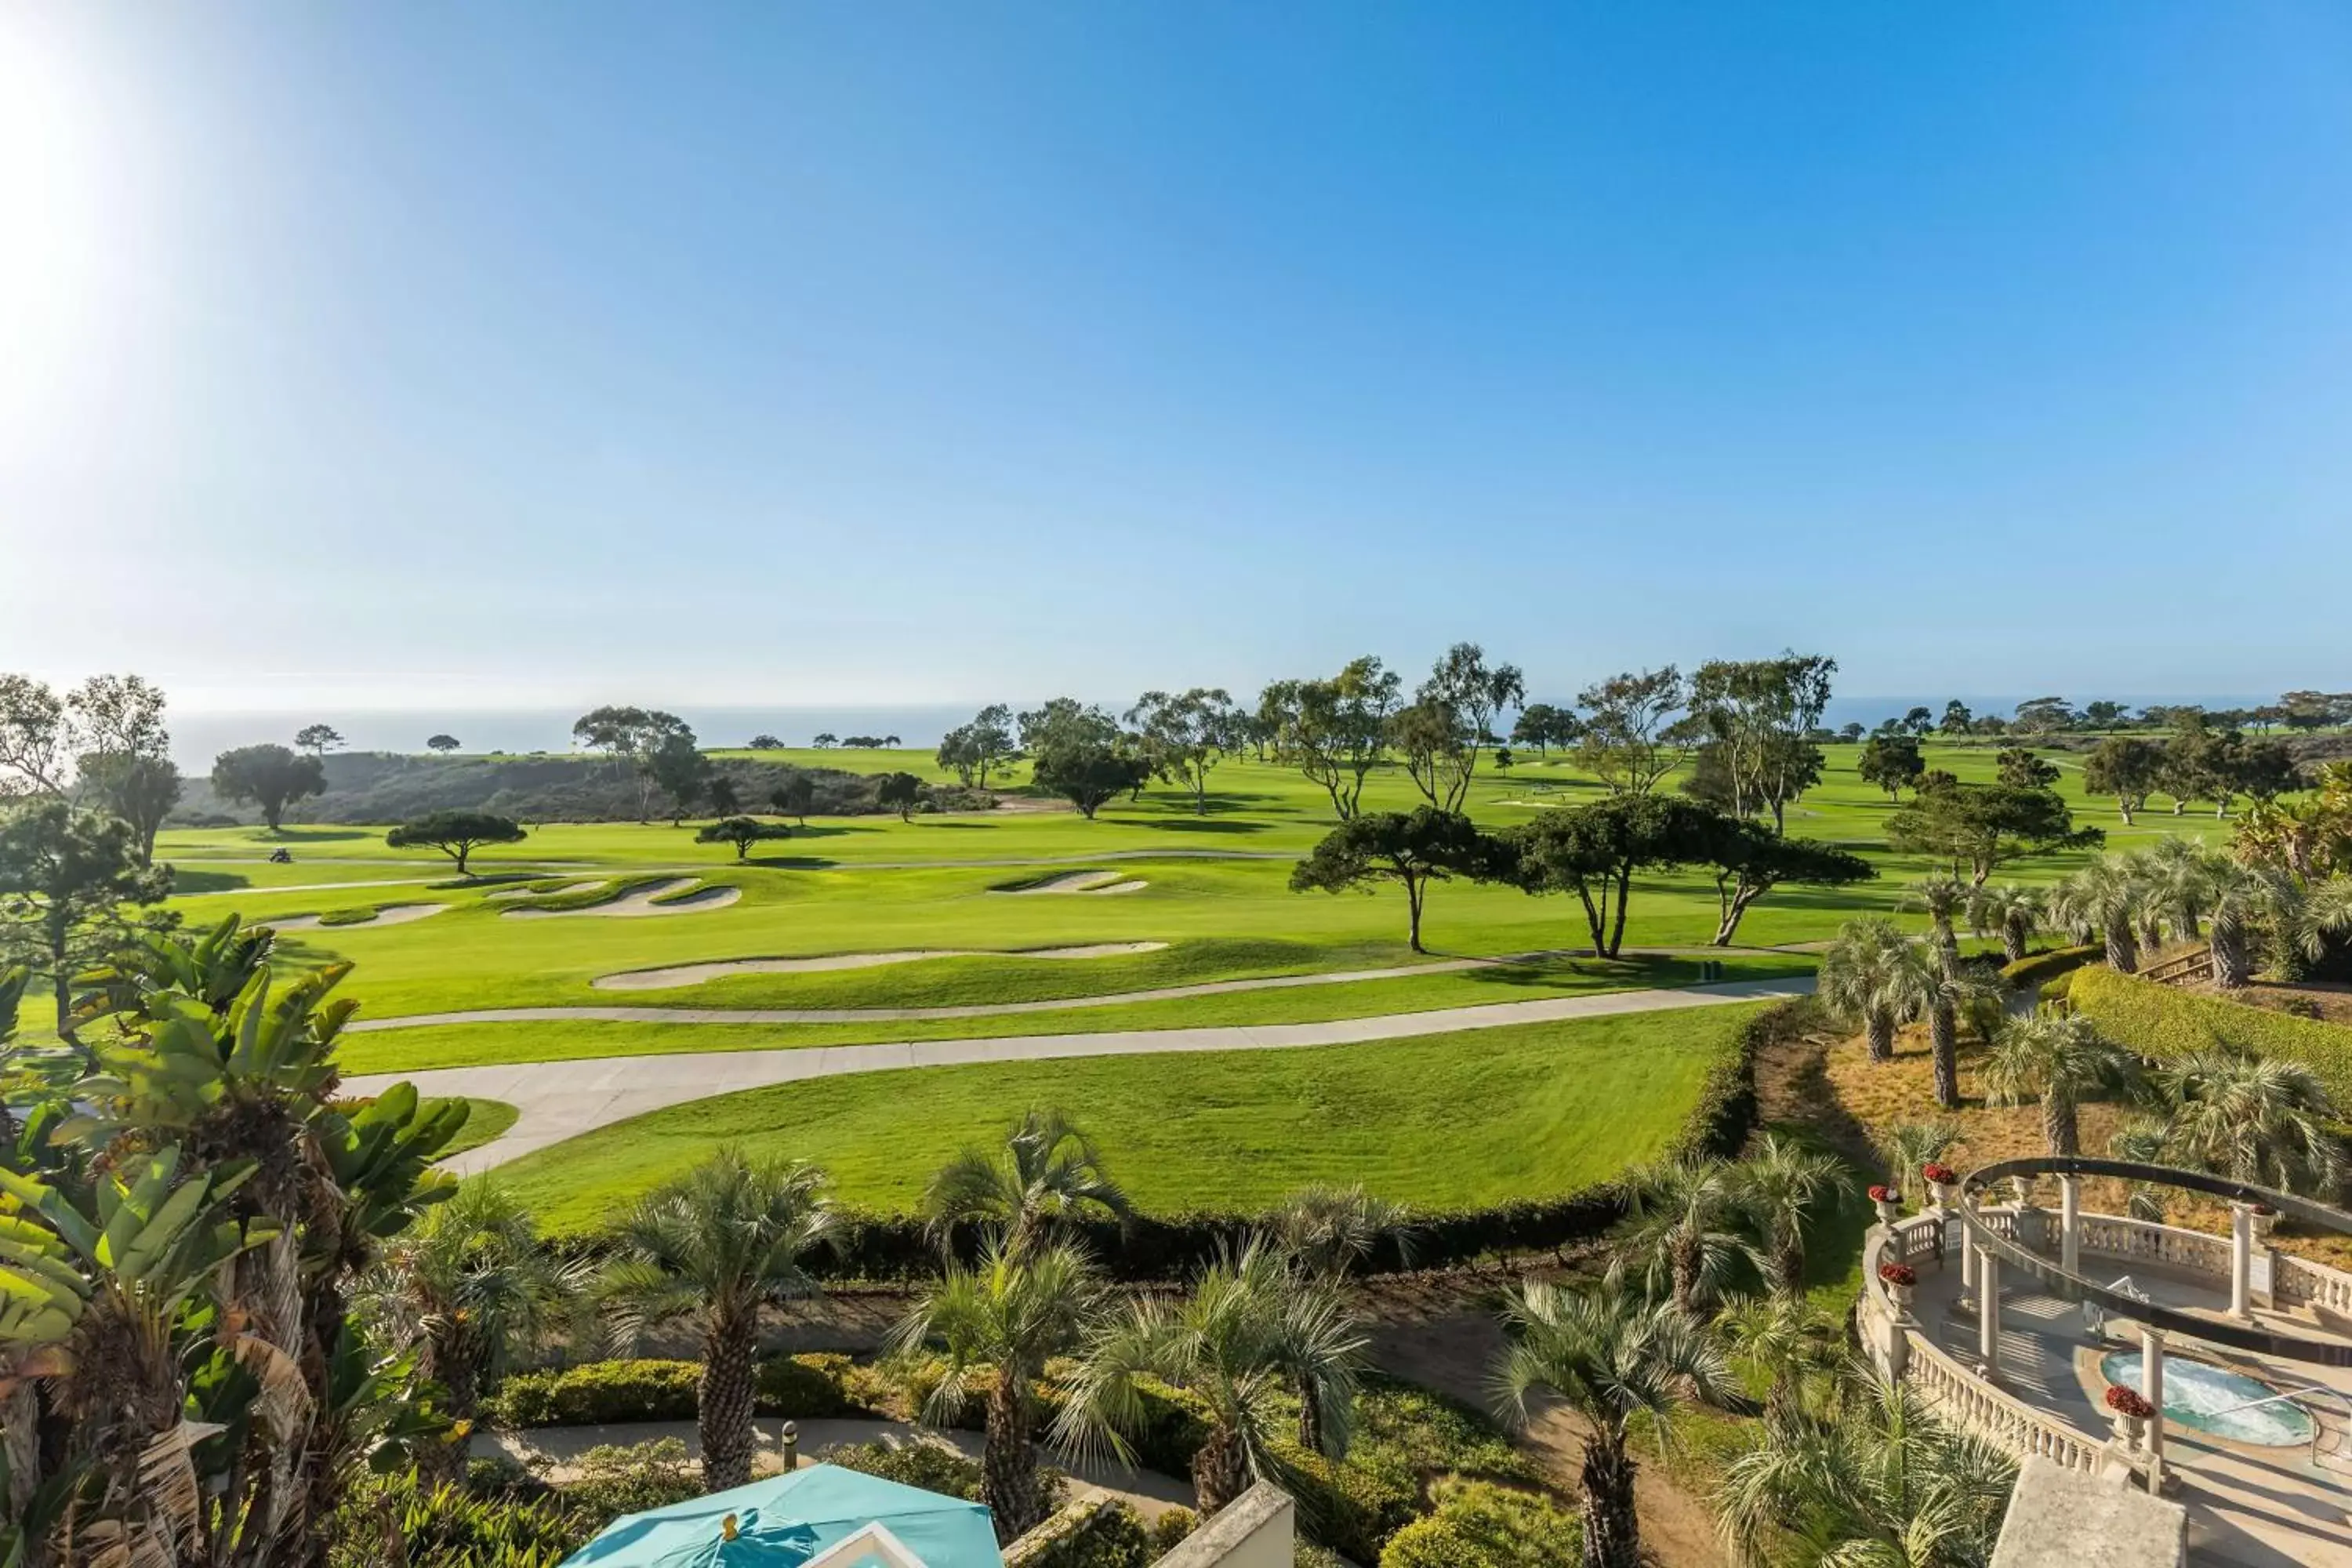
[1215, 892]
[1443, 1122]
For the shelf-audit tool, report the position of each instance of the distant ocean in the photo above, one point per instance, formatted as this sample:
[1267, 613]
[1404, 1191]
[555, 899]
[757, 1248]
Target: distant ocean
[197, 738]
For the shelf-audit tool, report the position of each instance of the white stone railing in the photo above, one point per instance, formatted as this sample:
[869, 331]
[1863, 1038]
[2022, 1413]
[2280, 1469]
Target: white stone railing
[1959, 1397]
[2298, 1282]
[2145, 1241]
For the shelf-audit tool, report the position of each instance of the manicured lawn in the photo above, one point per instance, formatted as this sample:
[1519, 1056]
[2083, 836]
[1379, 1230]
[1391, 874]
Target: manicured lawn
[1448, 1121]
[469, 1044]
[488, 1120]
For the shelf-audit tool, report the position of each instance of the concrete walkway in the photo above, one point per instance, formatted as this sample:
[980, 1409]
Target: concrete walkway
[561, 1100]
[551, 1453]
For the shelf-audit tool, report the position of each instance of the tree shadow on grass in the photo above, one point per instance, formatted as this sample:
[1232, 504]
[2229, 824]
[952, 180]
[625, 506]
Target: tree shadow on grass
[187, 880]
[1203, 825]
[297, 835]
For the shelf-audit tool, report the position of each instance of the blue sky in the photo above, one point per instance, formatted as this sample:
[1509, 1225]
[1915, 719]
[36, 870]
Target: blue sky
[437, 354]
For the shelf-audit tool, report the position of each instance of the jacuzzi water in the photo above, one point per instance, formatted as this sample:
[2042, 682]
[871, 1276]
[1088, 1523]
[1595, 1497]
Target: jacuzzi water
[2199, 1395]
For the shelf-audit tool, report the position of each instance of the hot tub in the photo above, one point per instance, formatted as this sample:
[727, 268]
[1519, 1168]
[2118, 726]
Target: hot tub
[2214, 1399]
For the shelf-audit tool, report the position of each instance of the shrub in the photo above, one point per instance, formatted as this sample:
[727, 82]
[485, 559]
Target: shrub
[934, 1467]
[1098, 1535]
[2037, 970]
[1477, 1524]
[395, 1522]
[599, 1393]
[596, 1394]
[615, 1480]
[2163, 1022]
[1170, 1530]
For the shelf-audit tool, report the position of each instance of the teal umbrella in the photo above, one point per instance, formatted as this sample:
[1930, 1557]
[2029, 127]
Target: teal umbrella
[784, 1522]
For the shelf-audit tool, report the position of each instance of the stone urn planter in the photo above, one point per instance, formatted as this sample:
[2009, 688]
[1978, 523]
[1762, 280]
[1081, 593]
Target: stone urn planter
[1943, 1183]
[2264, 1218]
[1902, 1281]
[1889, 1210]
[2129, 1410]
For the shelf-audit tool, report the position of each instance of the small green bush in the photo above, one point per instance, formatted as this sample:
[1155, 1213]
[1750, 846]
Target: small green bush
[1477, 1524]
[615, 1480]
[934, 1467]
[807, 1387]
[395, 1522]
[597, 1393]
[1112, 1536]
[2163, 1022]
[1172, 1528]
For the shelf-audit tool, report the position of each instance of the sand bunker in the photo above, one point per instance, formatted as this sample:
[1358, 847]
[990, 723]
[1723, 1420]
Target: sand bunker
[563, 892]
[676, 901]
[1081, 882]
[696, 974]
[396, 915]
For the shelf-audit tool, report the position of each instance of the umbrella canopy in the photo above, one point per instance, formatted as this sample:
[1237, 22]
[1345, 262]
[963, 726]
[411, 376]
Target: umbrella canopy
[784, 1521]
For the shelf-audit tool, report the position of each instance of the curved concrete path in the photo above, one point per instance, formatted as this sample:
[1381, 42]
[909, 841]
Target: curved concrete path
[602, 1015]
[561, 1100]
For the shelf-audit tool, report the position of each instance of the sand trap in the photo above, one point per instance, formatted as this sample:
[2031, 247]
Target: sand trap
[396, 915]
[1081, 882]
[641, 903]
[696, 974]
[551, 893]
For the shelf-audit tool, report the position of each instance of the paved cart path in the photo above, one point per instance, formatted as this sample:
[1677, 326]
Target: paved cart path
[561, 1100]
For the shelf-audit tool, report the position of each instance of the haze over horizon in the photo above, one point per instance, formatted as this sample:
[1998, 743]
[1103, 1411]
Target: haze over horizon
[441, 360]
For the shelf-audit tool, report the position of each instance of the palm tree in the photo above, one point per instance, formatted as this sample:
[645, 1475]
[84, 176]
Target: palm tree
[2012, 912]
[2253, 1119]
[2102, 899]
[1250, 1327]
[1854, 979]
[1909, 1147]
[720, 1242]
[1323, 1232]
[1874, 1479]
[1784, 1186]
[2238, 897]
[2178, 871]
[1684, 1230]
[1613, 1357]
[2154, 887]
[2057, 1061]
[1941, 899]
[1046, 1173]
[1915, 985]
[999, 1323]
[472, 1287]
[1794, 1346]
[2322, 910]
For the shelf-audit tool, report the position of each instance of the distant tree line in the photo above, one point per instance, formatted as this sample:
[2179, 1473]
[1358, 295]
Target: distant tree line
[2303, 712]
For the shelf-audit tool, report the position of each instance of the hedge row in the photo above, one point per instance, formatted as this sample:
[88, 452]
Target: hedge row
[1148, 1247]
[599, 1393]
[2034, 972]
[2165, 1021]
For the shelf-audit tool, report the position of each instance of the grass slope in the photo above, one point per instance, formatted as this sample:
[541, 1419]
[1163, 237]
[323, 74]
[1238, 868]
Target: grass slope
[1448, 1121]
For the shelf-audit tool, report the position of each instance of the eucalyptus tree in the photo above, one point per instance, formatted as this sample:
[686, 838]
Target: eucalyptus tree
[1249, 1329]
[1614, 1358]
[1763, 713]
[65, 875]
[1047, 1173]
[269, 775]
[2058, 1061]
[1411, 849]
[1187, 733]
[1335, 731]
[2009, 911]
[1627, 741]
[2126, 768]
[715, 1246]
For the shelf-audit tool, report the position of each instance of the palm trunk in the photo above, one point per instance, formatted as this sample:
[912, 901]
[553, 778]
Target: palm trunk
[1220, 1471]
[1311, 1417]
[2232, 966]
[2012, 942]
[1613, 1531]
[1789, 1262]
[2151, 933]
[2123, 949]
[1943, 1036]
[2059, 1128]
[1879, 1028]
[1008, 1468]
[1685, 1272]
[723, 1403]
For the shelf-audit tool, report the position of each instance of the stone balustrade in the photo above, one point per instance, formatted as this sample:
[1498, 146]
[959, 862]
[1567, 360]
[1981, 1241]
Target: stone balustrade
[2299, 1283]
[1960, 1397]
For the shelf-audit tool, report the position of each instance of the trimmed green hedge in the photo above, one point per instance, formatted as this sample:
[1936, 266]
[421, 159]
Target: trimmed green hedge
[598, 1393]
[2038, 968]
[2164, 1021]
[1479, 1525]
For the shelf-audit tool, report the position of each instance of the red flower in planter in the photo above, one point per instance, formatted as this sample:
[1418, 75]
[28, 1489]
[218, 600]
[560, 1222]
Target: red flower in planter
[2128, 1402]
[2265, 1211]
[1881, 1195]
[1901, 1274]
[1941, 1176]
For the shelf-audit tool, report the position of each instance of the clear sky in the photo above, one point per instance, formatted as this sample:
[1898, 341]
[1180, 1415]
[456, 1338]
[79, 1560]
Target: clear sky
[395, 355]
